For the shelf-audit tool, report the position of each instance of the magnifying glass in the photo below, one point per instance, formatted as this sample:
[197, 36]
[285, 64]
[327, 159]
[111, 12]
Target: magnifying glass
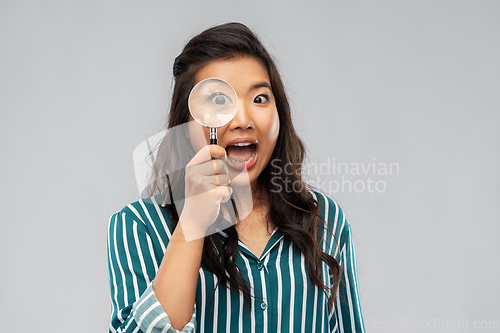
[213, 103]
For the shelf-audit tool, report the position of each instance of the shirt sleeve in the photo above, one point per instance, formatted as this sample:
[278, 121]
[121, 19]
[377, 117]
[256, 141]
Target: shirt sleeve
[132, 267]
[347, 315]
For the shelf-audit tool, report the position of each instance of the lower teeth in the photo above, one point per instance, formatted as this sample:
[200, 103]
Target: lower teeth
[245, 162]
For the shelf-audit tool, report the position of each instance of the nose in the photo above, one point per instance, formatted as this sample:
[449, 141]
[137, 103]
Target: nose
[242, 119]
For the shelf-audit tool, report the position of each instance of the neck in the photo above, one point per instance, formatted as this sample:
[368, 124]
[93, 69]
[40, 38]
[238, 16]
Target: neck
[251, 194]
[254, 201]
[259, 194]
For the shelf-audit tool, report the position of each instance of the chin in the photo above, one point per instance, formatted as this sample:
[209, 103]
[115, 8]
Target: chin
[241, 178]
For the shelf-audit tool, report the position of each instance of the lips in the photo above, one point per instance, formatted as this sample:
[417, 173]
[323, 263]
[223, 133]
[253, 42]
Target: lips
[242, 153]
[242, 140]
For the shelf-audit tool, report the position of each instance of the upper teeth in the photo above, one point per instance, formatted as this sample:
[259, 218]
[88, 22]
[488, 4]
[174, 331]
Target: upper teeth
[242, 144]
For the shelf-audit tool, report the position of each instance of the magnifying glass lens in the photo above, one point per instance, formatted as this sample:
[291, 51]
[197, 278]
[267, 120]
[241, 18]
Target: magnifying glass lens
[213, 103]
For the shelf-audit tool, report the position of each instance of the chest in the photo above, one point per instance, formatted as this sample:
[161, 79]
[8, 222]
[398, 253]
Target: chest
[255, 233]
[284, 299]
[255, 243]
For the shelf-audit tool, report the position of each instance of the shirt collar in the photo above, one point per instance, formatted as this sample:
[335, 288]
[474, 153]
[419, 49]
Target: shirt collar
[276, 236]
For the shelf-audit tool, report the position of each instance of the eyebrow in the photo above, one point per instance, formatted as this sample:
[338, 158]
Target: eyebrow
[261, 85]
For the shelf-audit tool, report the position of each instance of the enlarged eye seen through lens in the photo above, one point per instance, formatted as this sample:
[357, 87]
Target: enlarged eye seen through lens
[220, 99]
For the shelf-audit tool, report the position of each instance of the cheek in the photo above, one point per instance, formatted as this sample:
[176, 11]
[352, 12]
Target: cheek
[272, 128]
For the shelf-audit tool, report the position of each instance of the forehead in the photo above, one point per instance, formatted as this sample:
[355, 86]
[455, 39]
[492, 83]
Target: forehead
[241, 73]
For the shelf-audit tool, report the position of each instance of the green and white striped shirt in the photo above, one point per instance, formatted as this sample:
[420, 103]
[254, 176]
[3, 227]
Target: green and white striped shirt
[285, 299]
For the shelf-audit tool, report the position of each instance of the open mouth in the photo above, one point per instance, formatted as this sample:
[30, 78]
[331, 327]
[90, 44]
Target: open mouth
[241, 155]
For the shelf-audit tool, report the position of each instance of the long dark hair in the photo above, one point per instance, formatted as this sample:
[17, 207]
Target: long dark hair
[294, 211]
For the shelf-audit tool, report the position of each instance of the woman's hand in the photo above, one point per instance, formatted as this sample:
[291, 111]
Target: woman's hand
[206, 186]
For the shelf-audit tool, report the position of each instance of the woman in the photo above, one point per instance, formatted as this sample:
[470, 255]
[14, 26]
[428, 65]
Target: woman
[287, 265]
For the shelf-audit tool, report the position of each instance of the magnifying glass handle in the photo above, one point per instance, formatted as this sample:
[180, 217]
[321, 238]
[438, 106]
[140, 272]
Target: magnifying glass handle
[213, 138]
[213, 135]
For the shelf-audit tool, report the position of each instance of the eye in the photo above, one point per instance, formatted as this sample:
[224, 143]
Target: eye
[261, 99]
[220, 99]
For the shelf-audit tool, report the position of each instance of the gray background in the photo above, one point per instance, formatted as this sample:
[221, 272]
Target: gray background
[409, 82]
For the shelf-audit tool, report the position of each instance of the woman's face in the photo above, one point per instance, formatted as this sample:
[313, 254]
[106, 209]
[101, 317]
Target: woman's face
[256, 120]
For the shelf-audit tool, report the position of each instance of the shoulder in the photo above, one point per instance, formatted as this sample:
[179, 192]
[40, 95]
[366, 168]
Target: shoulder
[147, 215]
[334, 225]
[329, 208]
[331, 211]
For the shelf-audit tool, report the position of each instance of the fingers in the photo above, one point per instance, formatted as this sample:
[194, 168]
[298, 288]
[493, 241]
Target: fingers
[220, 180]
[217, 151]
[204, 174]
[206, 153]
[224, 193]
[210, 168]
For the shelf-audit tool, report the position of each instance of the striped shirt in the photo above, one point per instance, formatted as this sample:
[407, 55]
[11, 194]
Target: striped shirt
[285, 300]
